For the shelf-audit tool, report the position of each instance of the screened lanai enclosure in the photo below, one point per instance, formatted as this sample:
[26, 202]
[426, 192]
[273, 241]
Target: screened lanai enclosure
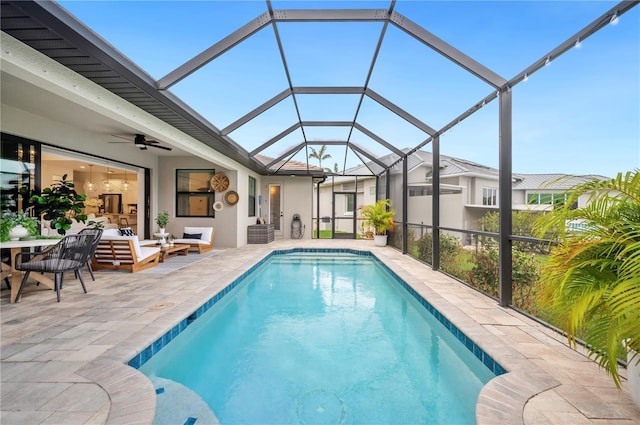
[451, 110]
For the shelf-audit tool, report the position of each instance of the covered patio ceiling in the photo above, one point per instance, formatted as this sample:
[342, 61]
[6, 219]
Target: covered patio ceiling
[347, 105]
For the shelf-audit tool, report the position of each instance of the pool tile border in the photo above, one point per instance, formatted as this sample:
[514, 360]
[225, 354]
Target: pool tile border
[141, 358]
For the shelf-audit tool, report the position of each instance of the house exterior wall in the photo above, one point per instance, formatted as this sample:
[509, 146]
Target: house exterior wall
[296, 196]
[223, 224]
[478, 185]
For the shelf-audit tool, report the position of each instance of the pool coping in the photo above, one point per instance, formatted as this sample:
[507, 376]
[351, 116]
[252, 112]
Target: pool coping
[501, 401]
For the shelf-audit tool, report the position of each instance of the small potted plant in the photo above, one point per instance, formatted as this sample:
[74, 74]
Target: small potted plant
[380, 217]
[14, 226]
[162, 219]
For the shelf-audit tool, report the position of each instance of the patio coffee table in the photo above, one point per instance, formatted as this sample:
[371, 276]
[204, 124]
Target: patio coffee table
[172, 251]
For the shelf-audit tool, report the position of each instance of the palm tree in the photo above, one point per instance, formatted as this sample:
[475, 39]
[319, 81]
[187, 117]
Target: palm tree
[591, 282]
[320, 154]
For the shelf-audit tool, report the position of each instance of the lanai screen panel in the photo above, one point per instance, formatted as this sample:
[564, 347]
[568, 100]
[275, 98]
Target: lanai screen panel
[421, 81]
[505, 36]
[469, 174]
[389, 126]
[329, 53]
[236, 82]
[396, 195]
[266, 126]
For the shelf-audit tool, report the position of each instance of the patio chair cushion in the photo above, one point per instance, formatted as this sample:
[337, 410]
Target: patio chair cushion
[192, 236]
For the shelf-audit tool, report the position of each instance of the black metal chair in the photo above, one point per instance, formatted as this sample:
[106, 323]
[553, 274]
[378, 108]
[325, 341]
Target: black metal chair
[97, 234]
[68, 255]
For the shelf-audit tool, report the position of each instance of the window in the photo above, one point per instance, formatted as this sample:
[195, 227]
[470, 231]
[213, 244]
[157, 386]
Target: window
[555, 199]
[194, 194]
[350, 201]
[489, 196]
[252, 197]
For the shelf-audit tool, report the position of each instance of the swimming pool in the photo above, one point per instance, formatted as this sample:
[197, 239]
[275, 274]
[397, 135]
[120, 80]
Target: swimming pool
[313, 336]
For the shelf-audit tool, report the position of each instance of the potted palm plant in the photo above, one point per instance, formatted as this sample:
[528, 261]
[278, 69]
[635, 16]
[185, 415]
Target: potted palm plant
[591, 281]
[380, 217]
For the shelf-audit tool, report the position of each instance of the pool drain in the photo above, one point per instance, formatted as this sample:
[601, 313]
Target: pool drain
[320, 407]
[161, 305]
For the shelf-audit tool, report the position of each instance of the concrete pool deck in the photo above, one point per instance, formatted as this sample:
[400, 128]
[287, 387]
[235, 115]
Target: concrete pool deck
[64, 363]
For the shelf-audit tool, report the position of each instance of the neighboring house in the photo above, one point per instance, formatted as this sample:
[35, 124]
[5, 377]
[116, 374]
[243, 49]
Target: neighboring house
[468, 191]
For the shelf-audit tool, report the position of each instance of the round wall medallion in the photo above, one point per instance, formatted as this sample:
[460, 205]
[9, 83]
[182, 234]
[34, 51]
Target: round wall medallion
[217, 206]
[231, 198]
[219, 182]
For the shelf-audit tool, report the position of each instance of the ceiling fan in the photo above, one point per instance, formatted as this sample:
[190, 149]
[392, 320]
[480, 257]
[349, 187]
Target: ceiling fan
[141, 142]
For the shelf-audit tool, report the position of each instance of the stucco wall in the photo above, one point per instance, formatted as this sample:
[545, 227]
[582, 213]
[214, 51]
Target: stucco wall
[296, 198]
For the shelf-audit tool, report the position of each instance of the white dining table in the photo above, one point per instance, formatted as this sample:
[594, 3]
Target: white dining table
[16, 275]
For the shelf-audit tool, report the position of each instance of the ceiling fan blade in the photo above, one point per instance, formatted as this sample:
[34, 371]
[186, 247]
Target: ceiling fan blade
[160, 147]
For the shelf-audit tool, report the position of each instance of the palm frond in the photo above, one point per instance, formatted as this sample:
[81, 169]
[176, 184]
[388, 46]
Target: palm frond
[591, 281]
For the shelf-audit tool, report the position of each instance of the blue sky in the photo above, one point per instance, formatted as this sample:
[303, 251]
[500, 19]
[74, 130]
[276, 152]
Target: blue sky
[579, 115]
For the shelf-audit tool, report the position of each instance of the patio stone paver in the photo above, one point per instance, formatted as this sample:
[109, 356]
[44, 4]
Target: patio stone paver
[64, 363]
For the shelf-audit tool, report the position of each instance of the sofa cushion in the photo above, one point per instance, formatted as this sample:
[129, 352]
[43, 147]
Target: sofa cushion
[147, 251]
[190, 241]
[204, 231]
[110, 232]
[192, 236]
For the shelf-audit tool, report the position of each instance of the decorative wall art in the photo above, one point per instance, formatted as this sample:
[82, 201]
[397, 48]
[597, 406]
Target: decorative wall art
[219, 182]
[231, 198]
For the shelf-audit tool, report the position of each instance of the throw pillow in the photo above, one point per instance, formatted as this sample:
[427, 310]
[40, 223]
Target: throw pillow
[126, 231]
[192, 236]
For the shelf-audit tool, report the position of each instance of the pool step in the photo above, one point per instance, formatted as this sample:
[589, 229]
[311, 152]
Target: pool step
[179, 405]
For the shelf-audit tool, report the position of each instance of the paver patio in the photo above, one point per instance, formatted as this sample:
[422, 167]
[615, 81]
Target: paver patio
[64, 363]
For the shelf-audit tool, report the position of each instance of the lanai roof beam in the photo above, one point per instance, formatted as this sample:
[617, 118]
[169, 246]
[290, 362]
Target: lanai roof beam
[294, 150]
[400, 112]
[330, 15]
[378, 139]
[214, 51]
[275, 139]
[260, 109]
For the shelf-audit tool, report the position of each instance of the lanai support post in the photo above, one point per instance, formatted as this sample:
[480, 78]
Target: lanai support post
[505, 204]
[405, 204]
[435, 203]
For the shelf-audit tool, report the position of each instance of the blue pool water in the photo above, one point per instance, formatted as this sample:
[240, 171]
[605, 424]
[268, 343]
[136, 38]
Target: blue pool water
[314, 338]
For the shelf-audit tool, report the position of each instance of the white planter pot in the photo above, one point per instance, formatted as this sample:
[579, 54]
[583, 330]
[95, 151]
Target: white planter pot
[633, 376]
[380, 240]
[18, 232]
